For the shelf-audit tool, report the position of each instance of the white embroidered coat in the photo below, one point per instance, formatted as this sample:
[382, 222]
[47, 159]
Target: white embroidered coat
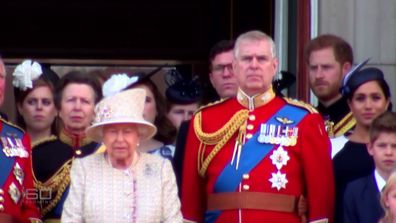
[146, 192]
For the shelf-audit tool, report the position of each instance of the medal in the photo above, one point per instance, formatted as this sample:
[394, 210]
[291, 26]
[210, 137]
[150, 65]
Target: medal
[18, 173]
[15, 194]
[278, 180]
[279, 157]
[261, 137]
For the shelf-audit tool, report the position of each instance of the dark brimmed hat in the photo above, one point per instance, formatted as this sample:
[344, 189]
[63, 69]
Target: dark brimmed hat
[357, 76]
[181, 89]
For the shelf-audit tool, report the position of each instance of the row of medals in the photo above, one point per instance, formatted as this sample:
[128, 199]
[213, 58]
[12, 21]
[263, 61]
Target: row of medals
[13, 147]
[278, 134]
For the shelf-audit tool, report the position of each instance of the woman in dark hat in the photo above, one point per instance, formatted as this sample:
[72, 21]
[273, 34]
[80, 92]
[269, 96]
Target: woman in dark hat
[34, 89]
[183, 97]
[368, 96]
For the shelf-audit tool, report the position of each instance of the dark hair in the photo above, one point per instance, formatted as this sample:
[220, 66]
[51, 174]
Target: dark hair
[166, 131]
[385, 123]
[100, 74]
[220, 47]
[77, 77]
[342, 49]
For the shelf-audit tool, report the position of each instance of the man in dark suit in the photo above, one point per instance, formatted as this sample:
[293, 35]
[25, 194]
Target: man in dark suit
[362, 196]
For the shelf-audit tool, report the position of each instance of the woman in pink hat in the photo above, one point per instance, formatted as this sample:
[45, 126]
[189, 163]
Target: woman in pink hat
[122, 184]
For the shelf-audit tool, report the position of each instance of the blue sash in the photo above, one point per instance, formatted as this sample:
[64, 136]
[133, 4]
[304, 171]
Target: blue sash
[7, 163]
[57, 211]
[252, 154]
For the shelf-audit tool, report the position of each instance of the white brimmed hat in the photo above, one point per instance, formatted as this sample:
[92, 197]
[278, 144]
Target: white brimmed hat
[124, 107]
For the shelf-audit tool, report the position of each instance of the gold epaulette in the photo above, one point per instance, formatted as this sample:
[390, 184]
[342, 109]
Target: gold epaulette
[218, 138]
[56, 186]
[101, 149]
[346, 124]
[211, 104]
[301, 104]
[12, 124]
[44, 140]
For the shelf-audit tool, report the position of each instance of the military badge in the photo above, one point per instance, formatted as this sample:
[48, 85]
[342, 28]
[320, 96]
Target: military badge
[14, 193]
[278, 180]
[18, 173]
[279, 157]
[284, 120]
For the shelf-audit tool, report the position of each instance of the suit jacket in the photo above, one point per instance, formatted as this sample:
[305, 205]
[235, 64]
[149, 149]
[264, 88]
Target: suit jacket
[179, 152]
[144, 193]
[362, 201]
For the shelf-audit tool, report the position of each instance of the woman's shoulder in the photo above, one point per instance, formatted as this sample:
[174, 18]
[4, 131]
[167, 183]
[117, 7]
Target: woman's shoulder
[152, 161]
[151, 158]
[90, 160]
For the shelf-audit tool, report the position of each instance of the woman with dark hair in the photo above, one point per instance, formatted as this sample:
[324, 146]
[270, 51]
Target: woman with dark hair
[155, 112]
[76, 96]
[368, 96]
[34, 90]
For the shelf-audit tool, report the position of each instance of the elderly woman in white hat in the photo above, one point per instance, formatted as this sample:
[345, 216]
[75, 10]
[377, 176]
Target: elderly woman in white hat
[122, 185]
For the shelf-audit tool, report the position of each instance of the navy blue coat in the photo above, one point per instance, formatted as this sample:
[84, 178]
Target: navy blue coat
[362, 201]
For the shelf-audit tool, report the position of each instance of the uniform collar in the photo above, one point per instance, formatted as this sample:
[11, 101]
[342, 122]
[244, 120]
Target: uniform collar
[255, 101]
[336, 111]
[75, 141]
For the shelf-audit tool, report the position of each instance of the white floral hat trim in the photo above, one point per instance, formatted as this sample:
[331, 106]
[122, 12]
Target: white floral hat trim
[25, 73]
[117, 83]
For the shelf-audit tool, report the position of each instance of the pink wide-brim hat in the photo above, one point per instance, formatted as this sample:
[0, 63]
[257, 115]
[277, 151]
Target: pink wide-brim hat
[124, 107]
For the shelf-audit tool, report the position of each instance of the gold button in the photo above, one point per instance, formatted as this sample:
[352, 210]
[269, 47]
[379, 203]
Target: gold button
[252, 117]
[1, 207]
[1, 199]
[248, 136]
[245, 176]
[250, 127]
[78, 152]
[246, 187]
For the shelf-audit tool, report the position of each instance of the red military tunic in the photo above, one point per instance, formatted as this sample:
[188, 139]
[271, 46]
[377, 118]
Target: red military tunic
[17, 193]
[306, 168]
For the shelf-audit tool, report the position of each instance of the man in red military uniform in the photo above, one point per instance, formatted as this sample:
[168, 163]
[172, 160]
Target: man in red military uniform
[17, 194]
[250, 158]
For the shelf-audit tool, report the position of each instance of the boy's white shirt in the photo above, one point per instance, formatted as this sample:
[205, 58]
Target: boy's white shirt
[379, 180]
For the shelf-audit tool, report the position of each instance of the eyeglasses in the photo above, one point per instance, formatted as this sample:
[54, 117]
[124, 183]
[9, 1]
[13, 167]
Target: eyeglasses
[220, 68]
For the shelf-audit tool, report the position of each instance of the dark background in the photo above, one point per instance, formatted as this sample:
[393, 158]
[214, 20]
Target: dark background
[126, 29]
